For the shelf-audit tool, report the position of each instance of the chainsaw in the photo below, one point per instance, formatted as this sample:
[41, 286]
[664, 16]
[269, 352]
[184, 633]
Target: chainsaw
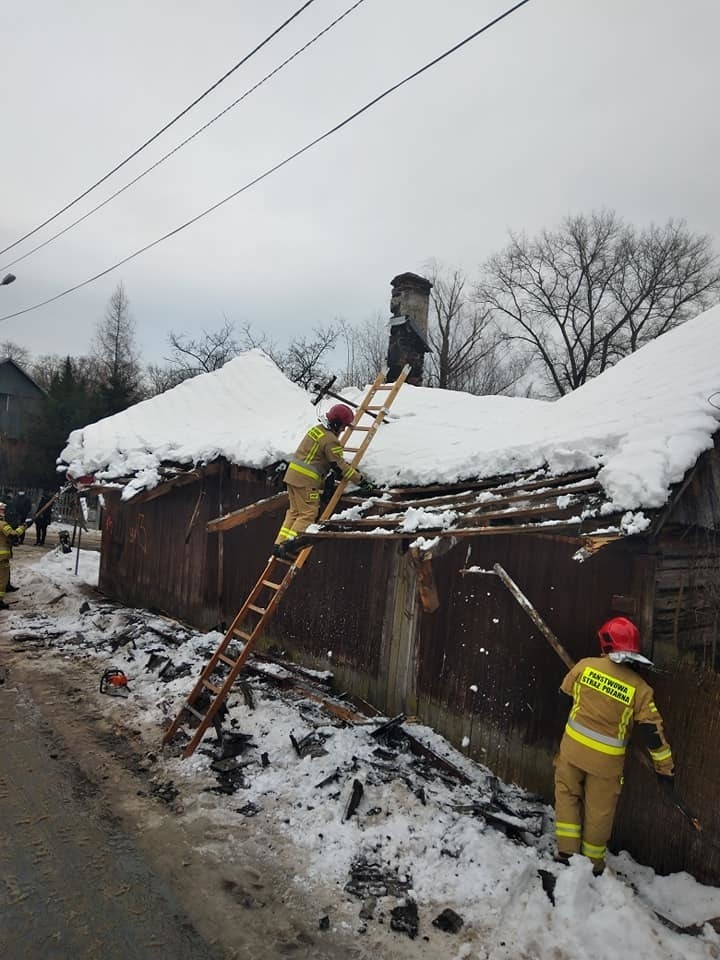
[114, 683]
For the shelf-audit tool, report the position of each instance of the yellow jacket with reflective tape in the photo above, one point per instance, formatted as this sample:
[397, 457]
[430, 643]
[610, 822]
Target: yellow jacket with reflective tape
[6, 531]
[318, 450]
[608, 699]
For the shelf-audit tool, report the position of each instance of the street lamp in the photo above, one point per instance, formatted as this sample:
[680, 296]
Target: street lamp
[8, 278]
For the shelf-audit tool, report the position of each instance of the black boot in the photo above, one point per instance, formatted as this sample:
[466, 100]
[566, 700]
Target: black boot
[11, 589]
[285, 551]
[3, 605]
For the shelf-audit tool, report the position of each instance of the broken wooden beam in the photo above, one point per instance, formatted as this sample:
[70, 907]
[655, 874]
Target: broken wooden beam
[250, 512]
[499, 482]
[547, 528]
[177, 478]
[427, 590]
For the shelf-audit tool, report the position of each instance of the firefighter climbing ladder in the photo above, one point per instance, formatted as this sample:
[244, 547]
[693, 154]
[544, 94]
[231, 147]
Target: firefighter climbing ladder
[275, 579]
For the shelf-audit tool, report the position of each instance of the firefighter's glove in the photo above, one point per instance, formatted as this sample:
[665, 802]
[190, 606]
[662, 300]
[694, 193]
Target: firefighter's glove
[366, 488]
[28, 523]
[667, 782]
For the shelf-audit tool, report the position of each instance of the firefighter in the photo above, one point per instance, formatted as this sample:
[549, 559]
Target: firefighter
[8, 536]
[319, 449]
[608, 698]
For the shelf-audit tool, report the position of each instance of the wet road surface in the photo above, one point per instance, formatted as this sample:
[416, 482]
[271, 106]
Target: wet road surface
[73, 885]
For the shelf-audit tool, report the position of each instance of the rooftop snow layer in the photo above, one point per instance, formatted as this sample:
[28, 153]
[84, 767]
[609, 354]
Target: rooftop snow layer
[644, 423]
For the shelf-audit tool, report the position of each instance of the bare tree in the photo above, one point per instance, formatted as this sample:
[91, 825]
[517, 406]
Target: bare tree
[366, 346]
[9, 350]
[251, 340]
[116, 355]
[47, 368]
[303, 359]
[189, 356]
[159, 379]
[468, 352]
[596, 289]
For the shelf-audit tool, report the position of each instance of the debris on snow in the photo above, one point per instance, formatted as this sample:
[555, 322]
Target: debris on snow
[404, 918]
[448, 921]
[481, 862]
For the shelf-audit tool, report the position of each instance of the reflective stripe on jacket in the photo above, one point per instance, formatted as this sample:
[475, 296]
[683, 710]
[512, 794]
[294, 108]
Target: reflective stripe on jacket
[7, 531]
[319, 449]
[608, 699]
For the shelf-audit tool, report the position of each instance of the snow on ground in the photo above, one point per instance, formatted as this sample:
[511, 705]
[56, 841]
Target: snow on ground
[435, 855]
[644, 422]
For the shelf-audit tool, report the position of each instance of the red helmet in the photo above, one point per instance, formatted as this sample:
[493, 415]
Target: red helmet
[619, 635]
[340, 414]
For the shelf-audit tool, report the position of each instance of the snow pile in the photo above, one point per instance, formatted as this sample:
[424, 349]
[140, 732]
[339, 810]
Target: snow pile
[437, 854]
[643, 423]
[248, 411]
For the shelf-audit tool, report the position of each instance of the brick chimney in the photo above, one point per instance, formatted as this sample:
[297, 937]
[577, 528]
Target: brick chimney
[409, 302]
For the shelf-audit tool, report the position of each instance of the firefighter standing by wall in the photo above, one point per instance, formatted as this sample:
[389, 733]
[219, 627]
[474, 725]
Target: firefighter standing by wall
[8, 535]
[319, 449]
[608, 698]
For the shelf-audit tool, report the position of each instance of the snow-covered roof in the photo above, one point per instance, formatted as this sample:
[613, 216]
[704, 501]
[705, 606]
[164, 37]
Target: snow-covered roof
[642, 424]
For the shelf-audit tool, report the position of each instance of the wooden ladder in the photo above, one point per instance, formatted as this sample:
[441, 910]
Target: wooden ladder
[275, 579]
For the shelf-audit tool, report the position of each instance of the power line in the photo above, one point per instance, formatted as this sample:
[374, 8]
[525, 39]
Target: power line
[277, 166]
[162, 130]
[187, 140]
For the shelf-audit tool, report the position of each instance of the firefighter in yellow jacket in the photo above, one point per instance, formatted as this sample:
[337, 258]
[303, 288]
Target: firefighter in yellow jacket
[319, 449]
[7, 535]
[608, 699]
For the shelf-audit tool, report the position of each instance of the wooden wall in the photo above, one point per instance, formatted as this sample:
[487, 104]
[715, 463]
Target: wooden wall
[477, 669]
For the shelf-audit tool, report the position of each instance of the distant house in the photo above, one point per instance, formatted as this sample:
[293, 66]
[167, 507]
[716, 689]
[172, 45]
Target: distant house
[605, 501]
[19, 400]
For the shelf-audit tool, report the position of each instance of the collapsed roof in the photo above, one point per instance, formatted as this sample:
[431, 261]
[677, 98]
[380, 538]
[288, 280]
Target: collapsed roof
[631, 433]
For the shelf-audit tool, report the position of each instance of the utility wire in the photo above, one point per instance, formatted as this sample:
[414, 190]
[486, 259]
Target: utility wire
[162, 130]
[277, 166]
[187, 140]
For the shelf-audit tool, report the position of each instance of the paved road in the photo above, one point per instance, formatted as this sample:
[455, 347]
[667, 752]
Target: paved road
[72, 884]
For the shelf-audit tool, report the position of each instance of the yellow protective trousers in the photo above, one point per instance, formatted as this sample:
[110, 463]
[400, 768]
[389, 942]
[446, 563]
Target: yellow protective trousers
[584, 809]
[4, 575]
[303, 510]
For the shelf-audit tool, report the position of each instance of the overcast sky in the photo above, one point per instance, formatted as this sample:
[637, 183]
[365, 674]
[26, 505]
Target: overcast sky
[566, 106]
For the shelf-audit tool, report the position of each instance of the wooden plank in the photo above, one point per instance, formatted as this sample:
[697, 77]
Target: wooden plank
[509, 481]
[467, 500]
[250, 512]
[580, 536]
[177, 479]
[551, 512]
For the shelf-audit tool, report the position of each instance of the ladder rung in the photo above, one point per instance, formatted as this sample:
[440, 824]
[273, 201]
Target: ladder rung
[262, 610]
[211, 686]
[194, 712]
[351, 449]
[227, 660]
[385, 386]
[273, 586]
[362, 428]
[242, 634]
[288, 563]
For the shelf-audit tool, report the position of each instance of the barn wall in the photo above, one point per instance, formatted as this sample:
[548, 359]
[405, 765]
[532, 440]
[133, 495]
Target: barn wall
[482, 638]
[686, 620]
[699, 504]
[647, 824]
[354, 610]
